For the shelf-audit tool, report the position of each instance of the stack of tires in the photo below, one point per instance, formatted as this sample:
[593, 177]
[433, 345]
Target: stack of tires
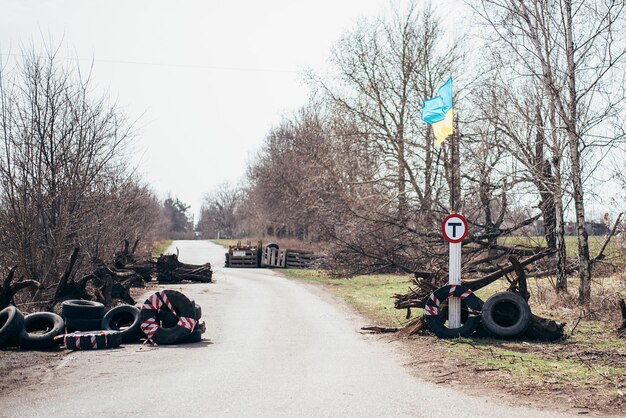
[36, 331]
[504, 315]
[82, 315]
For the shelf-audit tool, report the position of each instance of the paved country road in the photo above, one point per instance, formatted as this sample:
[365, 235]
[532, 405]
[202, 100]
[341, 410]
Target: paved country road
[273, 348]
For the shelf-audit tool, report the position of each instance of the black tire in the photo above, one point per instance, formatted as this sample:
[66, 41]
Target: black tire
[506, 315]
[194, 337]
[39, 331]
[198, 310]
[93, 340]
[151, 318]
[80, 324]
[125, 319]
[82, 309]
[11, 324]
[443, 312]
[437, 324]
[272, 245]
[166, 318]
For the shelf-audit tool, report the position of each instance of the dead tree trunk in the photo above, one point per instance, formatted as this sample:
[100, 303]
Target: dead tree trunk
[9, 289]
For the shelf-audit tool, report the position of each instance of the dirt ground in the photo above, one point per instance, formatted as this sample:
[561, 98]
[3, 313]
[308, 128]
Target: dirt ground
[19, 367]
[433, 362]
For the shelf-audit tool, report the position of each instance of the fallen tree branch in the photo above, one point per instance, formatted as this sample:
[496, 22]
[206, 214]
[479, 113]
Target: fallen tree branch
[380, 330]
[64, 280]
[9, 289]
[416, 298]
[475, 285]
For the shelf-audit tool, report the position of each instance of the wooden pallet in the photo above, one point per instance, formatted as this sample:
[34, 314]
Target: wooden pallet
[296, 259]
[240, 256]
[273, 257]
[292, 259]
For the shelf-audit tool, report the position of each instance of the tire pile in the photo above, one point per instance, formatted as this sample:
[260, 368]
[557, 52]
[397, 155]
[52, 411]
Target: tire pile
[86, 325]
[504, 315]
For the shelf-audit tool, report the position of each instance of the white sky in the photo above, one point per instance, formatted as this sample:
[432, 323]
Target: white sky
[206, 79]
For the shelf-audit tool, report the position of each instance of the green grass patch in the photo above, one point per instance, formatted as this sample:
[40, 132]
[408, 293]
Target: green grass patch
[224, 242]
[615, 252]
[370, 295]
[159, 247]
[588, 360]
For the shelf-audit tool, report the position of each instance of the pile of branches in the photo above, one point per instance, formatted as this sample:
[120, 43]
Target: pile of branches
[170, 270]
[425, 283]
[108, 283]
[485, 262]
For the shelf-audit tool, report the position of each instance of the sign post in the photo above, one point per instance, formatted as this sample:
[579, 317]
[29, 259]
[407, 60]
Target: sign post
[454, 229]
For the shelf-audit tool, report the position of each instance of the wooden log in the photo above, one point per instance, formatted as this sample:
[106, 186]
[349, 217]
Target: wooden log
[381, 330]
[413, 327]
[519, 285]
[542, 329]
[170, 270]
[65, 277]
[475, 285]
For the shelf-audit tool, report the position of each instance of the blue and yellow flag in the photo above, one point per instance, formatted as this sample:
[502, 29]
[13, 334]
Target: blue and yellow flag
[438, 112]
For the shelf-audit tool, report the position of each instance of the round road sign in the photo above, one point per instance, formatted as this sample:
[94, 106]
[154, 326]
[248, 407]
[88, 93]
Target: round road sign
[454, 228]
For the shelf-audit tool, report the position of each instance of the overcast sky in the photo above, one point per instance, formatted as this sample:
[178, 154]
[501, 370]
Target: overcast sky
[205, 79]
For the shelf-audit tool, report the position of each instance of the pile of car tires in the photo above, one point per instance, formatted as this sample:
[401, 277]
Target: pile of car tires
[86, 325]
[504, 315]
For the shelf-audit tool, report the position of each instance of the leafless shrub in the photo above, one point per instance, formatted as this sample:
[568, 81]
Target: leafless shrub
[64, 180]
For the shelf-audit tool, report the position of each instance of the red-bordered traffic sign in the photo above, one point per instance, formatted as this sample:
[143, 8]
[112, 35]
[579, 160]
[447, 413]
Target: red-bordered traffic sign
[454, 228]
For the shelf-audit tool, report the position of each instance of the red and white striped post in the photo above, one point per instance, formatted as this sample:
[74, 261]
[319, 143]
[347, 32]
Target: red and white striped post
[454, 229]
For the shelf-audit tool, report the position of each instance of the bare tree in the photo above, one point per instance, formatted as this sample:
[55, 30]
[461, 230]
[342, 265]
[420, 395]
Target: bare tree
[385, 69]
[514, 122]
[64, 181]
[575, 50]
[361, 170]
[220, 215]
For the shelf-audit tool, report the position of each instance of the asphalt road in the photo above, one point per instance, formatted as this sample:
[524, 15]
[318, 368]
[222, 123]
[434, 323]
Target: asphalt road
[273, 347]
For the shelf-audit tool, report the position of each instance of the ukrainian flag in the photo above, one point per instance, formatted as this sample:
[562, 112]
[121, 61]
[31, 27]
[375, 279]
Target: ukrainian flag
[438, 112]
